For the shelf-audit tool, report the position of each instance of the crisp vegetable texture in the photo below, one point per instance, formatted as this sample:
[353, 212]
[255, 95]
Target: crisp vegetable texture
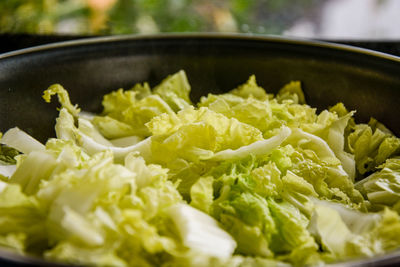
[243, 178]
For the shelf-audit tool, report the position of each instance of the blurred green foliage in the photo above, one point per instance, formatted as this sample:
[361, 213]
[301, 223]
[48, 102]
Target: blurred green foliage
[150, 16]
[127, 16]
[39, 16]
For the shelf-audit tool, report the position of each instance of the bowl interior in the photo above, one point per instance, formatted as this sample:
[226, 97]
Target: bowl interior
[363, 80]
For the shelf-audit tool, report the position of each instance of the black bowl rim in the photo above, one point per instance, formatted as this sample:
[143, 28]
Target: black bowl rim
[203, 36]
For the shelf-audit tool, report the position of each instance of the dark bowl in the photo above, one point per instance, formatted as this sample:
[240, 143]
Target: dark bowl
[363, 80]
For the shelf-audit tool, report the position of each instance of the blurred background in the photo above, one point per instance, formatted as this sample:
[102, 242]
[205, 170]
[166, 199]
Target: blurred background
[323, 19]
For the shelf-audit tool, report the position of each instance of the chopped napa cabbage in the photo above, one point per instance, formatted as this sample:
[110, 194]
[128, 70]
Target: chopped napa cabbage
[21, 141]
[196, 134]
[112, 128]
[7, 154]
[65, 126]
[63, 98]
[126, 112]
[239, 179]
[336, 140]
[346, 233]
[250, 89]
[175, 90]
[382, 188]
[371, 146]
[201, 193]
[311, 158]
[201, 232]
[292, 91]
[88, 136]
[125, 115]
[7, 170]
[261, 147]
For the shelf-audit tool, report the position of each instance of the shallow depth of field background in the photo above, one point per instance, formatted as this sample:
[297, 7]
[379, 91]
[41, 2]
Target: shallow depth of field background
[329, 19]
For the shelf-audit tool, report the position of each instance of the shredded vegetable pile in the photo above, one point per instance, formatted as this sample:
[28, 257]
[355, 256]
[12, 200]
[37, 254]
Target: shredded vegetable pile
[243, 178]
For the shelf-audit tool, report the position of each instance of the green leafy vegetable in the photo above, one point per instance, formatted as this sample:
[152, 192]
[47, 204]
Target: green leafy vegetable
[371, 146]
[21, 141]
[175, 90]
[382, 188]
[8, 154]
[239, 179]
